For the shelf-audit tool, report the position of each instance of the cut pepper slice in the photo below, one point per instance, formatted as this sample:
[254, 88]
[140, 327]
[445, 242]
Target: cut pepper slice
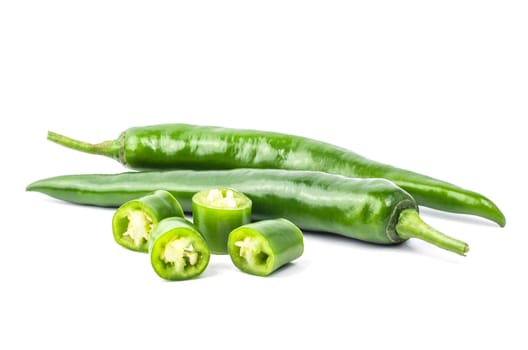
[218, 211]
[262, 247]
[177, 250]
[133, 221]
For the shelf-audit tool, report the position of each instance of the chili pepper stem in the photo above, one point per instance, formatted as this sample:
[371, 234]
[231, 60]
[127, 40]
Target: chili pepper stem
[106, 148]
[410, 225]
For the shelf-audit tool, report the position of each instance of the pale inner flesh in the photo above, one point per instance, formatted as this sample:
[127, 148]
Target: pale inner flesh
[216, 198]
[251, 251]
[180, 252]
[139, 226]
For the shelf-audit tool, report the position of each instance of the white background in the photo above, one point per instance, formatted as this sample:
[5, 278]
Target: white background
[436, 87]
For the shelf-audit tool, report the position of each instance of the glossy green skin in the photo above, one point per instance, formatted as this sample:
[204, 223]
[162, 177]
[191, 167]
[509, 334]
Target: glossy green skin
[163, 233]
[183, 146]
[282, 241]
[158, 205]
[215, 223]
[365, 209]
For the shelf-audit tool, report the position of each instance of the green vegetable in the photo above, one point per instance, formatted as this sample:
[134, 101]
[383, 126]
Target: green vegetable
[365, 209]
[134, 220]
[262, 247]
[177, 250]
[218, 211]
[182, 146]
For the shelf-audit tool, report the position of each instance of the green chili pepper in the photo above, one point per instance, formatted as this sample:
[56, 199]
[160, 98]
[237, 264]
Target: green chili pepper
[134, 220]
[218, 211]
[262, 247]
[182, 146]
[365, 209]
[177, 250]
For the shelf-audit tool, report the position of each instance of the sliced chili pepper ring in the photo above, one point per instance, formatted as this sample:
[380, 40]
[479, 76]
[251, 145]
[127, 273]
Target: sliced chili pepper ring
[262, 247]
[218, 211]
[177, 250]
[134, 220]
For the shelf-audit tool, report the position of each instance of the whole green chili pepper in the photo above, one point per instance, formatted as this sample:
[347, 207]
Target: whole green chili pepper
[218, 211]
[177, 250]
[373, 210]
[182, 146]
[262, 247]
[134, 220]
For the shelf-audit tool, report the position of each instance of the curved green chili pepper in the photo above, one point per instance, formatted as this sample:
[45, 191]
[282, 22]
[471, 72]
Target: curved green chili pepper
[262, 247]
[365, 209]
[218, 211]
[182, 146]
[177, 250]
[134, 220]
